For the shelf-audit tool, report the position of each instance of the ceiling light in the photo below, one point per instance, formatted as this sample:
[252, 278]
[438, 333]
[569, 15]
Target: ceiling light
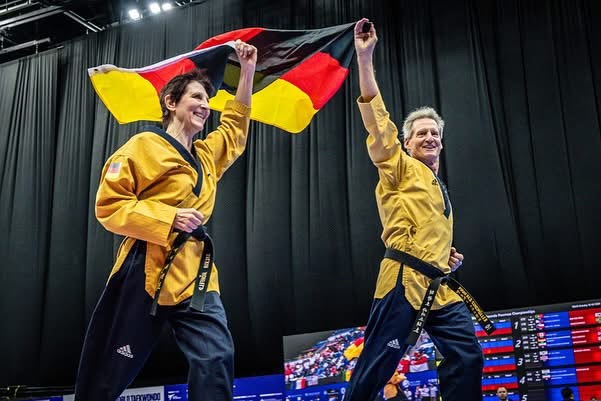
[167, 6]
[154, 8]
[134, 14]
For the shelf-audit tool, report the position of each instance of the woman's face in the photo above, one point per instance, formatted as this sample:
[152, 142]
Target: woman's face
[192, 110]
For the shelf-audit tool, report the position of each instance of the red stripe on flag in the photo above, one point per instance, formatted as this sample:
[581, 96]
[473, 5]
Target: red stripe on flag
[499, 368]
[319, 77]
[506, 330]
[498, 350]
[160, 77]
[243, 34]
[495, 386]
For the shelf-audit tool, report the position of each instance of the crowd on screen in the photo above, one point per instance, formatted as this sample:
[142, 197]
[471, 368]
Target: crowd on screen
[324, 359]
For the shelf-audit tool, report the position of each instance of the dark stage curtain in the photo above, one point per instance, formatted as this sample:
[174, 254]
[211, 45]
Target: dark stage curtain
[28, 157]
[296, 226]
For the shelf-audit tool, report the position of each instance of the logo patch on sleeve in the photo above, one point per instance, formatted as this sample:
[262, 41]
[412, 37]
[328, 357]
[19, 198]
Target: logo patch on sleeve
[113, 171]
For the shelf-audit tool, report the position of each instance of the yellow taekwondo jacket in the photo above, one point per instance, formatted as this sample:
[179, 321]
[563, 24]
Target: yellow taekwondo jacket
[149, 177]
[412, 209]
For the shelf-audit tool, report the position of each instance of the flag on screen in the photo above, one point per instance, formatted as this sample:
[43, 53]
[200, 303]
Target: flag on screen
[297, 73]
[354, 350]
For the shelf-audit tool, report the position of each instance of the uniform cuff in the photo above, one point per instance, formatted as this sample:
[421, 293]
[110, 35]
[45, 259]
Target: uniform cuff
[238, 107]
[373, 111]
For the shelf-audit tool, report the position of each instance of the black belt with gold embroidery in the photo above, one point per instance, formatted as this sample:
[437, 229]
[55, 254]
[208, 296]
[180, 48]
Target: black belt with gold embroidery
[438, 278]
[204, 268]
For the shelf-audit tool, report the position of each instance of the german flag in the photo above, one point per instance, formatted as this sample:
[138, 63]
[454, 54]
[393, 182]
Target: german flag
[133, 94]
[354, 350]
[297, 73]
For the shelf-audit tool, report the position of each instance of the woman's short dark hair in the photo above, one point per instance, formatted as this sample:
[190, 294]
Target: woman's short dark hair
[176, 87]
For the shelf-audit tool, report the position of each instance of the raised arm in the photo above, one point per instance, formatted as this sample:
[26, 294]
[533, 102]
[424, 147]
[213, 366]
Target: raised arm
[228, 141]
[247, 56]
[383, 144]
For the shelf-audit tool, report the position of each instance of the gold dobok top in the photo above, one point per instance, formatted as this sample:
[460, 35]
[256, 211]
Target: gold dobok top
[411, 207]
[150, 176]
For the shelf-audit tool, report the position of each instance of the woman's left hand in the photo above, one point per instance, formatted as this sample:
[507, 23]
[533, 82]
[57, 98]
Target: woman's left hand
[247, 54]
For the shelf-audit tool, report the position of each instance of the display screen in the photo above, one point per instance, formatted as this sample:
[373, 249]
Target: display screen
[318, 366]
[537, 351]
[534, 353]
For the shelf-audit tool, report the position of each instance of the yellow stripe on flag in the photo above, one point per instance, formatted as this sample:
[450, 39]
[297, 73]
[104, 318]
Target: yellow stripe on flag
[353, 351]
[280, 104]
[127, 95]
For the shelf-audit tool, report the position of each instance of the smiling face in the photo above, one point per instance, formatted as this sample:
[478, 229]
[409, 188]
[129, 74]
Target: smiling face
[192, 110]
[425, 141]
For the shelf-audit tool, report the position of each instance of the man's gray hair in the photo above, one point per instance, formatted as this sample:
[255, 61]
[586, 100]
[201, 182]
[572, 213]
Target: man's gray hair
[422, 112]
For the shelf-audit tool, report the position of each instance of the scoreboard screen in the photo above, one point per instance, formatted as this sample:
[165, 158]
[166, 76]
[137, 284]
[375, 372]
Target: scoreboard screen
[537, 351]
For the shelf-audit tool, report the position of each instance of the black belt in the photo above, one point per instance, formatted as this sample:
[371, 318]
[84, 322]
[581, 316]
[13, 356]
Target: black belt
[438, 278]
[204, 268]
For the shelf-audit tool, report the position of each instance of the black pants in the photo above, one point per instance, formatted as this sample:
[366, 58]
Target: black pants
[122, 334]
[451, 330]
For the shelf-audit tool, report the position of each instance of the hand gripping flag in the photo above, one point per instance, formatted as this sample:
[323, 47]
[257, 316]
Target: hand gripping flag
[297, 73]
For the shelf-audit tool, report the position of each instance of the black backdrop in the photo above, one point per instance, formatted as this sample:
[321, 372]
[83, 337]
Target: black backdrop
[296, 226]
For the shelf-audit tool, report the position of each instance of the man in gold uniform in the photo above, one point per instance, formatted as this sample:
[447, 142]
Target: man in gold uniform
[417, 221]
